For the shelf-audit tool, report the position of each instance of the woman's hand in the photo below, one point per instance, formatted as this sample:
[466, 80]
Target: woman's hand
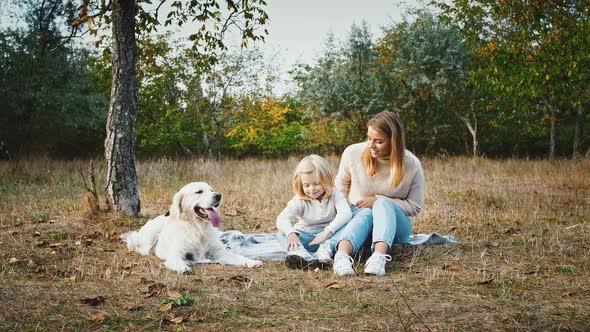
[321, 237]
[293, 241]
[366, 202]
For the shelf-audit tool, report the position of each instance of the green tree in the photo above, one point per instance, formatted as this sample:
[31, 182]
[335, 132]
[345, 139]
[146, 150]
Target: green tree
[49, 102]
[536, 58]
[344, 82]
[427, 65]
[127, 18]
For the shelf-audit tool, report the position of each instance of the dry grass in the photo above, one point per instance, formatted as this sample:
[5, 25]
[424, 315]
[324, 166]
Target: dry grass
[523, 263]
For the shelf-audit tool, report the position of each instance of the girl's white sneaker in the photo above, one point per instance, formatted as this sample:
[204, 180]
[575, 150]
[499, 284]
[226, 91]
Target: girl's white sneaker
[323, 254]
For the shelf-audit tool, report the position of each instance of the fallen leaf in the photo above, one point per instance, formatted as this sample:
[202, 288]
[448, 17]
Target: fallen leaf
[132, 307]
[97, 318]
[94, 301]
[154, 289]
[335, 285]
[236, 280]
[494, 244]
[177, 319]
[108, 274]
[166, 307]
[174, 294]
[13, 260]
[36, 234]
[567, 294]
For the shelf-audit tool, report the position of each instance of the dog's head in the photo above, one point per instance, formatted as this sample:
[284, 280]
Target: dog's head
[197, 201]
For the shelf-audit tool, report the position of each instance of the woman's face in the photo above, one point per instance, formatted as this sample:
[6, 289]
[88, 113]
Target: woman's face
[378, 143]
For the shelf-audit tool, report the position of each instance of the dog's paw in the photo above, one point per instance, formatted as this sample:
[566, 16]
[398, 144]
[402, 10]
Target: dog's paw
[179, 267]
[253, 263]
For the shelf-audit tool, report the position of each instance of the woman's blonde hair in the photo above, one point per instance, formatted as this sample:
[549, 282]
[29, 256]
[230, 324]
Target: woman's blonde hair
[389, 124]
[313, 164]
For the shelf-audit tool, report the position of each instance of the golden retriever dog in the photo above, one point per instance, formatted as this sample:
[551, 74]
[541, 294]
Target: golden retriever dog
[188, 233]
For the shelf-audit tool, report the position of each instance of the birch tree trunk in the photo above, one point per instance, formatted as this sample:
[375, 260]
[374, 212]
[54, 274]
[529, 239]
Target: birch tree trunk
[121, 178]
[472, 130]
[553, 119]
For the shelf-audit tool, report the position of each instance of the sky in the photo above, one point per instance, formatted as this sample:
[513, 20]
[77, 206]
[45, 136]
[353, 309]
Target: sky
[298, 29]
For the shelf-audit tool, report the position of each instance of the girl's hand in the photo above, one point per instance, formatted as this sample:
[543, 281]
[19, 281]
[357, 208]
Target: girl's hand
[366, 202]
[293, 241]
[321, 237]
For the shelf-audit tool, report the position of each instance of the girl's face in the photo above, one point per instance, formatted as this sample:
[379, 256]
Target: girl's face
[312, 186]
[378, 143]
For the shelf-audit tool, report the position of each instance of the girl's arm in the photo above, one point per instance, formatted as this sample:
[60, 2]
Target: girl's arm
[286, 217]
[343, 212]
[343, 216]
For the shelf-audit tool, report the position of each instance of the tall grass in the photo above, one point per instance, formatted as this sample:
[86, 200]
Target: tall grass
[523, 262]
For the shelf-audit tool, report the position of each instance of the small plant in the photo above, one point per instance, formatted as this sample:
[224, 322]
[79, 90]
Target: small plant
[178, 299]
[567, 269]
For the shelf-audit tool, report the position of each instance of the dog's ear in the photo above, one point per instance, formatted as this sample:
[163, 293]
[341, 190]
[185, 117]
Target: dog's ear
[176, 207]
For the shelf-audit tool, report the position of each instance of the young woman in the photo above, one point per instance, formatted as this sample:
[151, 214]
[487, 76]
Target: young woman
[319, 209]
[385, 184]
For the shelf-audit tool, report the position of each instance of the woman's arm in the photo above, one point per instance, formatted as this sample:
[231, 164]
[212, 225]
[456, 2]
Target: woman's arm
[412, 205]
[343, 177]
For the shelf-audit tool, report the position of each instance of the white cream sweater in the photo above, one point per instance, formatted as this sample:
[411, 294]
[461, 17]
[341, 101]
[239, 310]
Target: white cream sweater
[354, 182]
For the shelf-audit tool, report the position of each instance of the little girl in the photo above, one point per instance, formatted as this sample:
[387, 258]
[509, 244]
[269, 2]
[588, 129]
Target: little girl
[320, 210]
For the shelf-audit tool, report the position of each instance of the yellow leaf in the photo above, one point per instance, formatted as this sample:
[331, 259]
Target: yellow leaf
[166, 307]
[176, 319]
[547, 77]
[98, 318]
[174, 294]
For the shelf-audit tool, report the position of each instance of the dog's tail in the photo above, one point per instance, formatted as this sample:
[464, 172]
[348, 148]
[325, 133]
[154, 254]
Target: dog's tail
[145, 239]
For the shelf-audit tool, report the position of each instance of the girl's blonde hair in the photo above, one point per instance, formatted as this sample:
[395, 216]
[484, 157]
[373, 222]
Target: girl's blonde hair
[389, 124]
[313, 164]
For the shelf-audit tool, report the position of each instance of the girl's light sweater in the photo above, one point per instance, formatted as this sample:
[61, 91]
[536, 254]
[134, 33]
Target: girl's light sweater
[354, 182]
[331, 213]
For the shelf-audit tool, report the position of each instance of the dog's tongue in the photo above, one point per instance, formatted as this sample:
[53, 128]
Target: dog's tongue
[214, 217]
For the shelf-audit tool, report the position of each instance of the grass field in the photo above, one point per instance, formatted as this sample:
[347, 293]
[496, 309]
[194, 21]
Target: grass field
[523, 262]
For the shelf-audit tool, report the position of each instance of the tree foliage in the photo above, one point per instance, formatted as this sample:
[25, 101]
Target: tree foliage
[50, 102]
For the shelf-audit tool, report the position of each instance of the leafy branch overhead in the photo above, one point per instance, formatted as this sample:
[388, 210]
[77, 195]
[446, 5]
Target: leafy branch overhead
[209, 20]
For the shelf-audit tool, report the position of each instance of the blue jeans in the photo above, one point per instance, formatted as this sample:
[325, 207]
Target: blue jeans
[307, 235]
[385, 221]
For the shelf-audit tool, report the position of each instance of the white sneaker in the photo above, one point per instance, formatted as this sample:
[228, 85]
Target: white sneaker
[323, 254]
[343, 264]
[375, 265]
[300, 258]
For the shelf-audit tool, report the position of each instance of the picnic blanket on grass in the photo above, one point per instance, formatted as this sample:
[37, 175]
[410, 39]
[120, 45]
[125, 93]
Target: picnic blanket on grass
[268, 246]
